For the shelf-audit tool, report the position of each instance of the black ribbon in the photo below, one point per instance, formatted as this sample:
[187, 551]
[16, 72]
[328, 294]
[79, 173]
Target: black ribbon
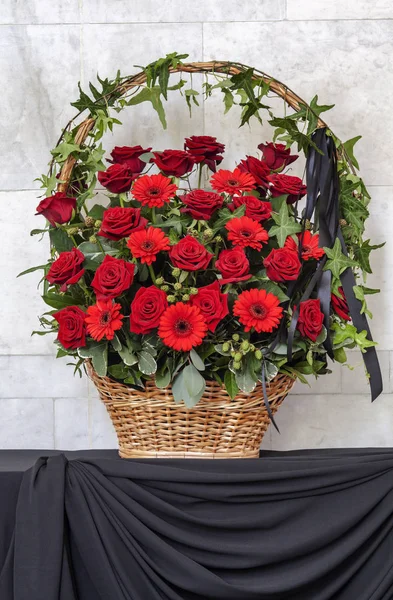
[323, 204]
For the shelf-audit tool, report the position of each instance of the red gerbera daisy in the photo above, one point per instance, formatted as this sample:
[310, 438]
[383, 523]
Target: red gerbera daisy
[244, 231]
[310, 245]
[258, 309]
[146, 244]
[232, 182]
[103, 320]
[153, 190]
[182, 327]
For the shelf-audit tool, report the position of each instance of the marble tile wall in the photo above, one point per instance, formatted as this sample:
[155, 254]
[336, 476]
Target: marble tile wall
[341, 50]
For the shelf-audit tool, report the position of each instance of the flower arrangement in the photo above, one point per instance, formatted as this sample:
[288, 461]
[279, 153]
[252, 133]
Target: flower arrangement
[193, 272]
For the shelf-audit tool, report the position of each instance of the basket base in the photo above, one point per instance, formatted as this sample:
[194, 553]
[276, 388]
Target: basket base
[123, 453]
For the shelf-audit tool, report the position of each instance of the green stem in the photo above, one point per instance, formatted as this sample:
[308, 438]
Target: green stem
[100, 245]
[153, 214]
[200, 176]
[74, 241]
[121, 198]
[152, 275]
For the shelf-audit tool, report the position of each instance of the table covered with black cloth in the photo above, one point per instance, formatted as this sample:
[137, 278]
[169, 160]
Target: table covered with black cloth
[306, 525]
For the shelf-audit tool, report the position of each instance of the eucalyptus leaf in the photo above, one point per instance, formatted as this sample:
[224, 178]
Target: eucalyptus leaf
[163, 379]
[230, 384]
[196, 360]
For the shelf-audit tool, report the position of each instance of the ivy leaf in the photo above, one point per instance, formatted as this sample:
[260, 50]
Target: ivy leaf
[348, 146]
[346, 333]
[97, 212]
[285, 225]
[225, 215]
[228, 100]
[337, 261]
[362, 254]
[63, 151]
[230, 384]
[360, 292]
[191, 94]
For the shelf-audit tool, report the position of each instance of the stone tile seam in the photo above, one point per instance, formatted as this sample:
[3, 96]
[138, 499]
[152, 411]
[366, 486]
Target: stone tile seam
[281, 20]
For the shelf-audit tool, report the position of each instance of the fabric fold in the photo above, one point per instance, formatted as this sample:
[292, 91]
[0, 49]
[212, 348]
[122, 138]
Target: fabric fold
[297, 526]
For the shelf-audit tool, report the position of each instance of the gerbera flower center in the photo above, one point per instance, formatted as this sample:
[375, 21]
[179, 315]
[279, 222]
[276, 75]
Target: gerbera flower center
[147, 245]
[233, 182]
[154, 191]
[183, 327]
[258, 311]
[105, 318]
[245, 233]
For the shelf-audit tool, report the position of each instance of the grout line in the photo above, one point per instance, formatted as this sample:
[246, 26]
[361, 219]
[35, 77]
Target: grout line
[81, 40]
[54, 422]
[228, 22]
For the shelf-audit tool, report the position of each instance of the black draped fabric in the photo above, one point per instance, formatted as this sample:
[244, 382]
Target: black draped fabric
[307, 525]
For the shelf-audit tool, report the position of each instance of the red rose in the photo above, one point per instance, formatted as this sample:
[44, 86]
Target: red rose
[117, 178]
[57, 208]
[201, 204]
[146, 309]
[67, 269]
[113, 277]
[205, 149]
[190, 255]
[118, 222]
[258, 169]
[256, 209]
[277, 156]
[282, 265]
[310, 320]
[212, 304]
[233, 265]
[174, 162]
[340, 305]
[72, 328]
[129, 155]
[286, 184]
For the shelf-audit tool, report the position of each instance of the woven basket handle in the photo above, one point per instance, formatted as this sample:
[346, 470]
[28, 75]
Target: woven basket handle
[292, 99]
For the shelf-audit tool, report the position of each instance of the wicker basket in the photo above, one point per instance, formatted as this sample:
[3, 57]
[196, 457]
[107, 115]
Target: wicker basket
[149, 424]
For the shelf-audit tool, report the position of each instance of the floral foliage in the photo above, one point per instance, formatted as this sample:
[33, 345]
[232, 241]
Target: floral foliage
[171, 273]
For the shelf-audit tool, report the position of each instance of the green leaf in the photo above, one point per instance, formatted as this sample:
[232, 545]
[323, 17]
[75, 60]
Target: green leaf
[118, 371]
[337, 262]
[226, 215]
[32, 269]
[98, 352]
[273, 288]
[163, 378]
[228, 100]
[143, 96]
[322, 336]
[96, 212]
[64, 150]
[147, 363]
[362, 254]
[116, 343]
[285, 225]
[340, 355]
[244, 379]
[349, 145]
[188, 386]
[194, 384]
[128, 357]
[58, 301]
[271, 370]
[94, 255]
[346, 333]
[196, 360]
[60, 240]
[157, 105]
[230, 384]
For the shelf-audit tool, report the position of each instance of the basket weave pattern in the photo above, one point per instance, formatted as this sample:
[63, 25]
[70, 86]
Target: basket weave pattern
[149, 424]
